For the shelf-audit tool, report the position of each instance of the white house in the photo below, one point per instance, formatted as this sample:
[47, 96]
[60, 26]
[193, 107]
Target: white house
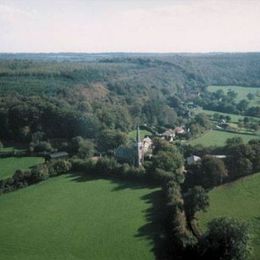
[168, 135]
[192, 159]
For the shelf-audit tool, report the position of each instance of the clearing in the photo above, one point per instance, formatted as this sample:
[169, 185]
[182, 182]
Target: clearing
[143, 133]
[241, 93]
[218, 138]
[76, 217]
[234, 118]
[239, 199]
[9, 165]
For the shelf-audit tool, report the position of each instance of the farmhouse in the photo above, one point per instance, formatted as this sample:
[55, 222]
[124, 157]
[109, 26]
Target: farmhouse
[168, 135]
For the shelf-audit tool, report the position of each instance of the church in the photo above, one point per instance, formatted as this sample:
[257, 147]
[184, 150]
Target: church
[134, 153]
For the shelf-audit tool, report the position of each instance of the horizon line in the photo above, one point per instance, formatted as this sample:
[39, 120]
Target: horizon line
[129, 52]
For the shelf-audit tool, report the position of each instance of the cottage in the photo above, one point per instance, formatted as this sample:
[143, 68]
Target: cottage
[179, 130]
[192, 159]
[168, 135]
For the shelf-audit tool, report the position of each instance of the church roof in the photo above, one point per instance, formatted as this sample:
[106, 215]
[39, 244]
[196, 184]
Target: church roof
[126, 152]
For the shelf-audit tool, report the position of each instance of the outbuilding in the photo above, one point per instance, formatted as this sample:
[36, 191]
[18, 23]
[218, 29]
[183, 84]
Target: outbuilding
[56, 156]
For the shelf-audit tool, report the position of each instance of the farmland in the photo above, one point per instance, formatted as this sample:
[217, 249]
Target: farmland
[234, 118]
[241, 92]
[70, 217]
[239, 199]
[9, 165]
[218, 138]
[87, 106]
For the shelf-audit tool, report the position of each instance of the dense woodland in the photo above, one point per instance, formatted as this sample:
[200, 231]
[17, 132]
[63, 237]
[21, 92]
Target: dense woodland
[85, 94]
[86, 104]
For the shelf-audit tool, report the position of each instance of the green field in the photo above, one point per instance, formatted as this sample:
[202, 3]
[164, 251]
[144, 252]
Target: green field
[70, 217]
[241, 93]
[218, 138]
[8, 166]
[9, 149]
[234, 118]
[143, 133]
[239, 199]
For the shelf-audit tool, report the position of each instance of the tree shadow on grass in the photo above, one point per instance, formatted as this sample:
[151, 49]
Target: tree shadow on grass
[121, 183]
[152, 229]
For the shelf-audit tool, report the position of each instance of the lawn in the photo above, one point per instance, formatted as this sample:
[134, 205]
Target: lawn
[69, 217]
[11, 149]
[241, 93]
[9, 165]
[218, 138]
[143, 133]
[239, 199]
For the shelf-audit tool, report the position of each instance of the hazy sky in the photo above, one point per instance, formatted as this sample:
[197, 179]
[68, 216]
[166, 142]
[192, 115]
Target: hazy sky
[129, 25]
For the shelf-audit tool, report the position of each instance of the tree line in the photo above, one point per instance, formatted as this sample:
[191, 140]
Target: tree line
[241, 160]
[225, 238]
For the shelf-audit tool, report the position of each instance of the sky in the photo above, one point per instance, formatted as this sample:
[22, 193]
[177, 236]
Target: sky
[129, 25]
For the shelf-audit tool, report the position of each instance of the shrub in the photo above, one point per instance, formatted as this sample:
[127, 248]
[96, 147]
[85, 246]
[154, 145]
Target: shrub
[39, 173]
[42, 147]
[227, 238]
[59, 167]
[86, 166]
[106, 165]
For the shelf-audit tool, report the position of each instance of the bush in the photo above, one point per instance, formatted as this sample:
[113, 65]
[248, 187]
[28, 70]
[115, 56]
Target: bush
[86, 166]
[82, 147]
[23, 178]
[106, 166]
[179, 238]
[59, 167]
[41, 147]
[227, 238]
[39, 173]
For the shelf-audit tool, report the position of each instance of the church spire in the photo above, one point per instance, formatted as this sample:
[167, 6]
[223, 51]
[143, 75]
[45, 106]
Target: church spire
[138, 140]
[139, 146]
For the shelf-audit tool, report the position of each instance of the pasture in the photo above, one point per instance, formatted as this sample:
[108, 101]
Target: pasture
[234, 118]
[12, 148]
[8, 166]
[72, 217]
[239, 199]
[143, 133]
[218, 138]
[241, 93]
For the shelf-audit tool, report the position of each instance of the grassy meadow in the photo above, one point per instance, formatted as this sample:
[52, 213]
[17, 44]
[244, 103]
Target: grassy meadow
[241, 93]
[234, 118]
[8, 166]
[9, 149]
[218, 138]
[239, 199]
[71, 217]
[143, 133]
